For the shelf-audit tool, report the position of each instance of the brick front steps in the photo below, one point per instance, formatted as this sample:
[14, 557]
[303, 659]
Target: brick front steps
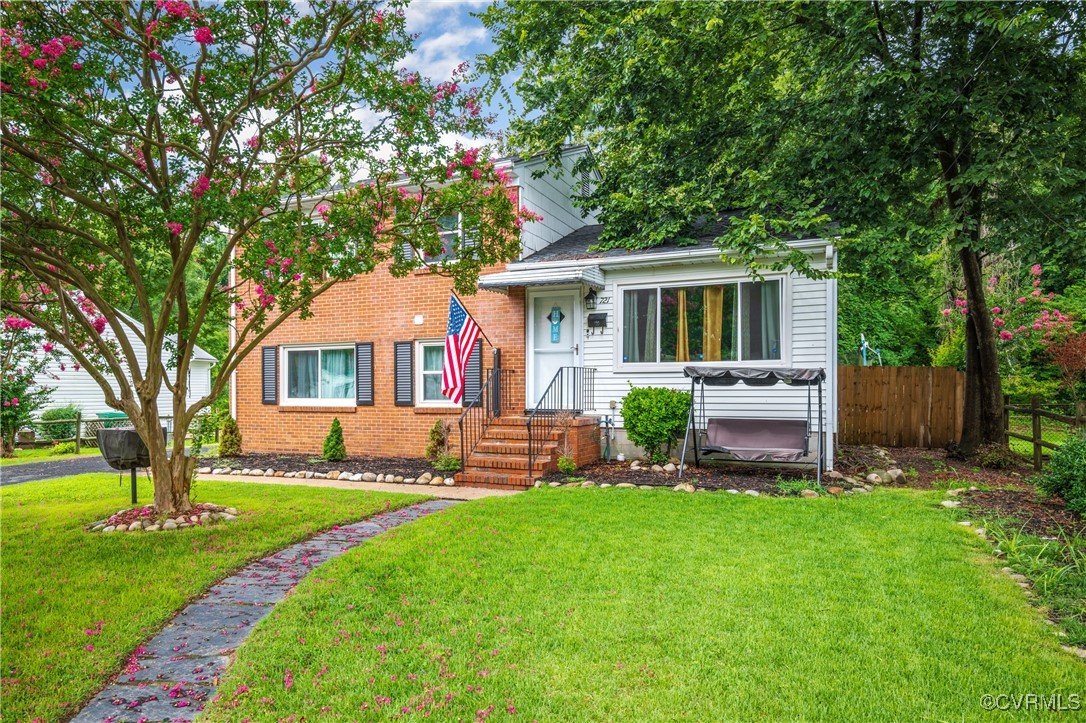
[500, 459]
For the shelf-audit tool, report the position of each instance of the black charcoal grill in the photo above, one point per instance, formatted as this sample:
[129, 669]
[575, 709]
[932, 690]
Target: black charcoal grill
[123, 449]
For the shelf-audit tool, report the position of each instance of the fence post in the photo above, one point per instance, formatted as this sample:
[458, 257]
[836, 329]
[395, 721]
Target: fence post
[1035, 407]
[1006, 420]
[78, 431]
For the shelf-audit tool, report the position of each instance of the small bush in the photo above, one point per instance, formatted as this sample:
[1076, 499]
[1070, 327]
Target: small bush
[997, 456]
[63, 448]
[654, 418]
[230, 440]
[794, 486]
[335, 450]
[1066, 474]
[60, 430]
[438, 443]
[566, 465]
[446, 462]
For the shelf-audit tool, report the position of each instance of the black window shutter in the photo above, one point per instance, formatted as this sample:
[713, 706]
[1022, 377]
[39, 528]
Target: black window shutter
[363, 374]
[473, 374]
[405, 373]
[269, 386]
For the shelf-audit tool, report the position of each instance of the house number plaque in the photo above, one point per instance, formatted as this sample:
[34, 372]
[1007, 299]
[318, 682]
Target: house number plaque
[556, 317]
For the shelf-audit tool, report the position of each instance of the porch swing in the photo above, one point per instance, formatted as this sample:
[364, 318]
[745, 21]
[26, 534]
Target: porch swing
[752, 440]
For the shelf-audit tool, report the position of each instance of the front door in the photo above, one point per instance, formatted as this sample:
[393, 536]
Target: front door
[555, 338]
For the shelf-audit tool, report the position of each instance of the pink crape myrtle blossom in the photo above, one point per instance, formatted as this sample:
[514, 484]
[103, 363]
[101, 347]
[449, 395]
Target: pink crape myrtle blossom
[203, 36]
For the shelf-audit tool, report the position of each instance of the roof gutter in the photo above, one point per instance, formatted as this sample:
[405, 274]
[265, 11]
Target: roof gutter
[634, 260]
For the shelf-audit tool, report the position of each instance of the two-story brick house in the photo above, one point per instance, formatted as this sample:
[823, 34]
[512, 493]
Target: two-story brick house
[575, 329]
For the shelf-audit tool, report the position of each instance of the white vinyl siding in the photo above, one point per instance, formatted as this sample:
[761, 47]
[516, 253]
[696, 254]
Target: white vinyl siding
[804, 343]
[78, 387]
[549, 196]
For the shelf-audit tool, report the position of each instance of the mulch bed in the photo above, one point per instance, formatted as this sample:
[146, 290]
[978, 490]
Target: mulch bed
[1012, 496]
[713, 477]
[1037, 516]
[406, 466]
[932, 466]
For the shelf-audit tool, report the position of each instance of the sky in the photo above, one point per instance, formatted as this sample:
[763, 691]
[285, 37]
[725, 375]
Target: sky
[447, 36]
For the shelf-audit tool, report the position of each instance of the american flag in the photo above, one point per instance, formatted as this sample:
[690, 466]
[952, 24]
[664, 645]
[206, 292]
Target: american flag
[459, 343]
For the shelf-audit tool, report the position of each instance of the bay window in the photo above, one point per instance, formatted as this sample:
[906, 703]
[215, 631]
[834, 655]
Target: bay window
[695, 323]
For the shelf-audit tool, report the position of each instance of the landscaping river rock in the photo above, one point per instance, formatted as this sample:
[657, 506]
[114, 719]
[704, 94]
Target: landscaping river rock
[145, 519]
[171, 677]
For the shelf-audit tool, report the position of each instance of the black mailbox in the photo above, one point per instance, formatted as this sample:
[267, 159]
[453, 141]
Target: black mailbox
[597, 321]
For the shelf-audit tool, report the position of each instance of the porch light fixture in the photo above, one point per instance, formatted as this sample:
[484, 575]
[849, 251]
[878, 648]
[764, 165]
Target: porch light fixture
[590, 299]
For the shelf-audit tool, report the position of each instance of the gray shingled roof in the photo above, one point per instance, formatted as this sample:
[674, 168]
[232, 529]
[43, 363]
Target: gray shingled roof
[575, 247]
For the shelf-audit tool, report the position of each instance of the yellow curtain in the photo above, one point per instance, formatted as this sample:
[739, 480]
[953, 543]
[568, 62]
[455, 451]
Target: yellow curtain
[682, 340]
[713, 322]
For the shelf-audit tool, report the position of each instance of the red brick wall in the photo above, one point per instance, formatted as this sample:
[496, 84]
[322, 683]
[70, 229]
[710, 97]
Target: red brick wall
[380, 309]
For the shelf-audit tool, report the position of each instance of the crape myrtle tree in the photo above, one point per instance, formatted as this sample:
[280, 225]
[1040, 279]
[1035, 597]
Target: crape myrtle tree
[917, 127]
[25, 357]
[134, 132]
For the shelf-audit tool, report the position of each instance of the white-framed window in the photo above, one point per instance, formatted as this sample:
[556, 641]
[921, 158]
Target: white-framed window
[317, 375]
[702, 322]
[453, 240]
[430, 354]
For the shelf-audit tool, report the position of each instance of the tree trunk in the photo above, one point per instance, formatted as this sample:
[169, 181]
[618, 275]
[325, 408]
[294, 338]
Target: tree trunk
[9, 445]
[171, 474]
[983, 414]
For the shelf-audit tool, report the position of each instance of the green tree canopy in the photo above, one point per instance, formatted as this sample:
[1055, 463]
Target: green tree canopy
[908, 124]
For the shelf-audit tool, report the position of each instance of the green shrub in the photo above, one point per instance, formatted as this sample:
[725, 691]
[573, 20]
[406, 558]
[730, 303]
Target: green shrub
[566, 465]
[63, 448]
[230, 441]
[1066, 474]
[793, 487]
[202, 431]
[59, 430]
[334, 448]
[438, 443]
[997, 456]
[654, 418]
[446, 462]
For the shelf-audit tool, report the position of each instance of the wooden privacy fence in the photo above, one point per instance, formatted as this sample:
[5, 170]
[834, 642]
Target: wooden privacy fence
[899, 406]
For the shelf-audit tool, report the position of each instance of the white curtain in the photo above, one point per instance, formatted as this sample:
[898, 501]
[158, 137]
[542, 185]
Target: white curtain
[337, 374]
[639, 326]
[302, 374]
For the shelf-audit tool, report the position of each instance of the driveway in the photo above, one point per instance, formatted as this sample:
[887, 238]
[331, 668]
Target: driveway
[36, 471]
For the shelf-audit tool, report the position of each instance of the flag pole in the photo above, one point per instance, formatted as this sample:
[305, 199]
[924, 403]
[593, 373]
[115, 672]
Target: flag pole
[480, 326]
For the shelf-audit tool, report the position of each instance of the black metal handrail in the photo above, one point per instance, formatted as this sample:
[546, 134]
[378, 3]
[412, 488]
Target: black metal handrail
[482, 409]
[571, 391]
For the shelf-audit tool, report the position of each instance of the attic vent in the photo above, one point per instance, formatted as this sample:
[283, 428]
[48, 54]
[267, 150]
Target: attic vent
[586, 186]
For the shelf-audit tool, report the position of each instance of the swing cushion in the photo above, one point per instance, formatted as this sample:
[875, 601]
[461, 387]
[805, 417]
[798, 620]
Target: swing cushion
[757, 440]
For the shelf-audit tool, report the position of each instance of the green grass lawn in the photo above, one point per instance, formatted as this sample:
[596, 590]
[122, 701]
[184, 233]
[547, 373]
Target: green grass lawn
[638, 606]
[41, 454]
[58, 581]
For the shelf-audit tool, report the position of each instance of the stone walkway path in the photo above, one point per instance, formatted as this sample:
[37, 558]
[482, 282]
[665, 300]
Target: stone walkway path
[171, 677]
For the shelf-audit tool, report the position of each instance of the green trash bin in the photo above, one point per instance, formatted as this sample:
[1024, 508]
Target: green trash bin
[117, 420]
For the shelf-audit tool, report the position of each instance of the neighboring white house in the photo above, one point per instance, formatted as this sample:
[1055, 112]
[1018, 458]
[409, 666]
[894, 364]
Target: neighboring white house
[72, 386]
